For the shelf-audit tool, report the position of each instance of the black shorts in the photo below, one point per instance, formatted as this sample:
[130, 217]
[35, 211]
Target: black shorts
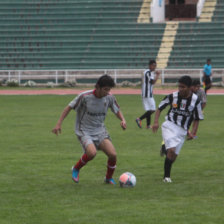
[207, 80]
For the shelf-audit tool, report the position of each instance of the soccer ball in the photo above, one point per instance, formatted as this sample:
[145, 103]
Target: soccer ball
[127, 179]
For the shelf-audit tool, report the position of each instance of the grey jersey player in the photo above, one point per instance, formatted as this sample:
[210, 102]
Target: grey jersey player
[91, 108]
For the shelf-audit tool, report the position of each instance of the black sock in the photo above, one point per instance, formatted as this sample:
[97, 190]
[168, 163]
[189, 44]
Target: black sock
[148, 119]
[146, 114]
[167, 167]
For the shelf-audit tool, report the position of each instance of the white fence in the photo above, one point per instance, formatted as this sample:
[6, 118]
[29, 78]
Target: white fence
[81, 77]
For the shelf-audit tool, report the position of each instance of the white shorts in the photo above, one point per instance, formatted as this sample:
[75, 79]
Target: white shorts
[173, 136]
[149, 103]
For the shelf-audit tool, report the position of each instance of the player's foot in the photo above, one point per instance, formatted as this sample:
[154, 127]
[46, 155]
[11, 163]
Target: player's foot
[109, 181]
[163, 150]
[139, 122]
[148, 127]
[75, 175]
[167, 180]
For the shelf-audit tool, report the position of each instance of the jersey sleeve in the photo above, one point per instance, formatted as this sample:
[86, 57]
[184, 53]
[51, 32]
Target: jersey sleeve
[76, 102]
[165, 102]
[115, 108]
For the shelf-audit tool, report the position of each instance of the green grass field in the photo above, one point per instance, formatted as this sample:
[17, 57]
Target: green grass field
[35, 177]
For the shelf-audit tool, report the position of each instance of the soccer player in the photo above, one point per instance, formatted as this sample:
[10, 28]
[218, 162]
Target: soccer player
[150, 78]
[207, 78]
[195, 87]
[91, 108]
[185, 107]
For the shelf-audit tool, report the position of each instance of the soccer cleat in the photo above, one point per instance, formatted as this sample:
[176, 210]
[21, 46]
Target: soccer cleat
[167, 180]
[75, 175]
[139, 122]
[163, 150]
[109, 181]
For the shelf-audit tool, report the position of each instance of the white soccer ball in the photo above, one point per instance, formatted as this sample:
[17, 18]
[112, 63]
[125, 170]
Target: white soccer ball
[127, 179]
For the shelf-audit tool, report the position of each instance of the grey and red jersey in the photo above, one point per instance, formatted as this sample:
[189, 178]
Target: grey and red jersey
[91, 112]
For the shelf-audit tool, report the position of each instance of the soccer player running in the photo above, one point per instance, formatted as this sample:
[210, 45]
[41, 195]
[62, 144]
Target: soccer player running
[91, 108]
[185, 107]
[207, 78]
[150, 78]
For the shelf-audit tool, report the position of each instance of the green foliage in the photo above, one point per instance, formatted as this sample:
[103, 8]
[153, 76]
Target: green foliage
[35, 176]
[12, 83]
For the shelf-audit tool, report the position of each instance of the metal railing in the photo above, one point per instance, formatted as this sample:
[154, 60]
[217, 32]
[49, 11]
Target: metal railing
[80, 77]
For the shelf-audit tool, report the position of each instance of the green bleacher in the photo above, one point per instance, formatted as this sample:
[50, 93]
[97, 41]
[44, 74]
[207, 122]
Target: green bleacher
[195, 42]
[219, 12]
[75, 34]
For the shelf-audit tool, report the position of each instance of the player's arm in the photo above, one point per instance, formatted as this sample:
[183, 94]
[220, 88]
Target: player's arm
[64, 114]
[203, 105]
[198, 115]
[193, 133]
[121, 117]
[163, 104]
[156, 121]
[156, 78]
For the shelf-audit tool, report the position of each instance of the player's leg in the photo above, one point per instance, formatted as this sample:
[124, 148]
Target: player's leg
[107, 147]
[152, 108]
[89, 153]
[207, 84]
[170, 158]
[148, 119]
[163, 149]
[146, 106]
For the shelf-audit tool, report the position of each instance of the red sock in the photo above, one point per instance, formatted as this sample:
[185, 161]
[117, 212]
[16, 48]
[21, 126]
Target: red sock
[82, 162]
[111, 165]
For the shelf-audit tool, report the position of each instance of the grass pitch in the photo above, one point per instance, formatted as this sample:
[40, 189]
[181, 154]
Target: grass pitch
[35, 176]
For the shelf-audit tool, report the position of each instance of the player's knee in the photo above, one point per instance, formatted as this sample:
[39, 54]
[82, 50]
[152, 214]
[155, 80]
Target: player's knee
[91, 153]
[112, 156]
[171, 154]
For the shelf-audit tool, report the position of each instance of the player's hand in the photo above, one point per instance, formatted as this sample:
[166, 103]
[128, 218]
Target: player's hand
[123, 125]
[157, 73]
[190, 136]
[155, 127]
[57, 130]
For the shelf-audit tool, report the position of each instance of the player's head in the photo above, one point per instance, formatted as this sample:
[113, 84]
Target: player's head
[184, 85]
[152, 65]
[105, 81]
[195, 86]
[104, 85]
[209, 61]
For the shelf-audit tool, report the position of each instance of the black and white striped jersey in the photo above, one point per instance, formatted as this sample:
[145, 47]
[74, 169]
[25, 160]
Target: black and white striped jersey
[182, 111]
[147, 86]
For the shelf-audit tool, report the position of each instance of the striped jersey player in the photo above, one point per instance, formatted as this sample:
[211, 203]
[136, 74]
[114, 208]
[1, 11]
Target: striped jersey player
[91, 109]
[185, 108]
[149, 79]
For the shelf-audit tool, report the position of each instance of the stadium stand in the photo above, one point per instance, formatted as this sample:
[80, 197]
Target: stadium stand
[102, 34]
[75, 34]
[195, 42]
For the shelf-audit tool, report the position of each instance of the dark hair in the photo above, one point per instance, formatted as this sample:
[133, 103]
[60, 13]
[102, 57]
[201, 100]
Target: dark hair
[186, 80]
[195, 82]
[105, 80]
[152, 62]
[209, 59]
